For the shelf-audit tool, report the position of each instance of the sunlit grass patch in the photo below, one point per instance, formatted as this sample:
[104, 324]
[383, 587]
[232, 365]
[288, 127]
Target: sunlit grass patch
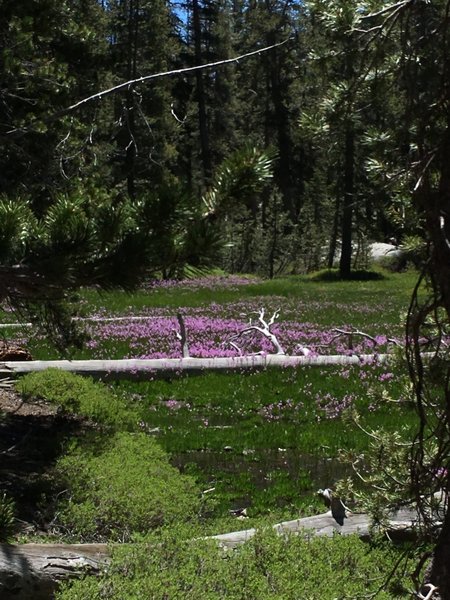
[269, 438]
[232, 430]
[171, 565]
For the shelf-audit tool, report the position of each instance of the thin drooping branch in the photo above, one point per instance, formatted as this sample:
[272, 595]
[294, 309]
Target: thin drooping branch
[352, 332]
[139, 80]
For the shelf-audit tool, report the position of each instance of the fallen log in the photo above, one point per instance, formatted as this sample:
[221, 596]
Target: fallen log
[401, 527]
[33, 571]
[170, 367]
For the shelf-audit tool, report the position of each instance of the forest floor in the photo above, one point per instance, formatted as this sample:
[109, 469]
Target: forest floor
[32, 436]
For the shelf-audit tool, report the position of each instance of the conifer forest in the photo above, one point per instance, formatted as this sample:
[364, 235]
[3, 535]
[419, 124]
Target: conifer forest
[282, 160]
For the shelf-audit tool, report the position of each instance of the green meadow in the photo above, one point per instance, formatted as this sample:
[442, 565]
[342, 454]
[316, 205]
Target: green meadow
[264, 441]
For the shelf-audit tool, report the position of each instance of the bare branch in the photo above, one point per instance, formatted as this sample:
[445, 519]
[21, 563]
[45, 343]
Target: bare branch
[393, 8]
[144, 79]
[182, 336]
[263, 330]
[431, 589]
[352, 332]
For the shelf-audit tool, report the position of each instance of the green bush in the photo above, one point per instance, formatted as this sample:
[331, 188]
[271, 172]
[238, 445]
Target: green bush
[356, 275]
[268, 567]
[78, 394]
[7, 518]
[121, 486]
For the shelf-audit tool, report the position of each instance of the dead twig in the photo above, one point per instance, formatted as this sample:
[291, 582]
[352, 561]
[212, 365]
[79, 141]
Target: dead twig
[17, 131]
[352, 332]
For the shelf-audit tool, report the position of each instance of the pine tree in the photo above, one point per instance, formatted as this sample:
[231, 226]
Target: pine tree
[411, 41]
[50, 53]
[142, 41]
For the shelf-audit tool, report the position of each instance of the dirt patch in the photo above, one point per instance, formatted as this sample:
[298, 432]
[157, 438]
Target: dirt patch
[12, 403]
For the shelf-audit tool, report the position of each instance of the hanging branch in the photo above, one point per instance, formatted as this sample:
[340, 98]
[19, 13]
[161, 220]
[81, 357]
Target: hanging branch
[133, 82]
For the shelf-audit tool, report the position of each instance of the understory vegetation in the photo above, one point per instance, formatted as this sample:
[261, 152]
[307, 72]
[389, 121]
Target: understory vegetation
[169, 565]
[161, 462]
[149, 143]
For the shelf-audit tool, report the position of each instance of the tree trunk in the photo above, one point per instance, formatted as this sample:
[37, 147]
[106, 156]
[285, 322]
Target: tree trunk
[33, 571]
[201, 96]
[130, 109]
[172, 367]
[334, 233]
[345, 264]
[439, 571]
[435, 206]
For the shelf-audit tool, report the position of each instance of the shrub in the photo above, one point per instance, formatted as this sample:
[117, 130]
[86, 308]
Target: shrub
[7, 510]
[355, 275]
[268, 567]
[121, 486]
[78, 394]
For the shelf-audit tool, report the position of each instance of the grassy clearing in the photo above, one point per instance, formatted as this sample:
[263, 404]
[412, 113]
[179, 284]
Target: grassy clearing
[363, 304]
[266, 440]
[309, 310]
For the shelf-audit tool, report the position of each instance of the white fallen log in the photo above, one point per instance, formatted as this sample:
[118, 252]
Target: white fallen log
[33, 571]
[169, 367]
[400, 527]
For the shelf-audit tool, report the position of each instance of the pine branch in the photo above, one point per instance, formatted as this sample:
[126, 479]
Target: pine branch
[19, 131]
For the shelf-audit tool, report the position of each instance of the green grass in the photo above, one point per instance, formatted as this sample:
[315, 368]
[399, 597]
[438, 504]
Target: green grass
[268, 440]
[268, 567]
[393, 288]
[252, 436]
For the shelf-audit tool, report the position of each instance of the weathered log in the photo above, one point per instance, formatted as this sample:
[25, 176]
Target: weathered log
[400, 527]
[169, 367]
[34, 570]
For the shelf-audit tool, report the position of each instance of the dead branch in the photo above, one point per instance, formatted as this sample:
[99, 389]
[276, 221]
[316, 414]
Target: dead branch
[182, 336]
[263, 329]
[431, 589]
[136, 368]
[18, 131]
[353, 332]
[393, 8]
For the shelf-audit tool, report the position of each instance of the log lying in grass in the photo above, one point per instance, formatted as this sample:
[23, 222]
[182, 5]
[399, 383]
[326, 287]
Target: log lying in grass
[400, 527]
[34, 570]
[168, 367]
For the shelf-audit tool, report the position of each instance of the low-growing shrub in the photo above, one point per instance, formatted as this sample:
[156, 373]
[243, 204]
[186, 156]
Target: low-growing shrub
[355, 275]
[268, 567]
[78, 394]
[7, 517]
[121, 486]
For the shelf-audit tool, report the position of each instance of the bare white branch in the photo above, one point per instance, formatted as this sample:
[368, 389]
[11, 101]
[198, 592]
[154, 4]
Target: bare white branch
[393, 8]
[263, 330]
[182, 336]
[431, 589]
[443, 230]
[352, 332]
[145, 79]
